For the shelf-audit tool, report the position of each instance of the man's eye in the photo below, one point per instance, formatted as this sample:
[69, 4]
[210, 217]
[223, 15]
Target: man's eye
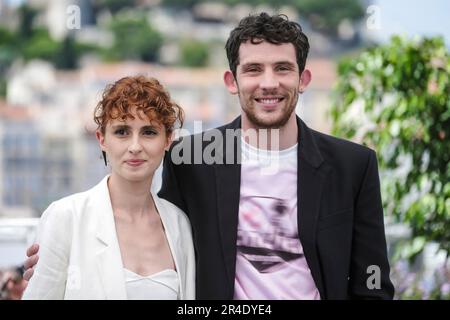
[283, 68]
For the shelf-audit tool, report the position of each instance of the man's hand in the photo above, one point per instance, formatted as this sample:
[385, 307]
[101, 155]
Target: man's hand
[15, 285]
[30, 263]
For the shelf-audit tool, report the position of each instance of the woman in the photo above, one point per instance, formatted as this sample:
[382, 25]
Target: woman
[118, 240]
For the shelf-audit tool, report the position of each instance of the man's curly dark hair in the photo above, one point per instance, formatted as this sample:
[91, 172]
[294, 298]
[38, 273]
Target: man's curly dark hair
[275, 29]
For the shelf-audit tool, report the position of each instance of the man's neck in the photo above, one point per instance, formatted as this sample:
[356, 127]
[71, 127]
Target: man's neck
[271, 138]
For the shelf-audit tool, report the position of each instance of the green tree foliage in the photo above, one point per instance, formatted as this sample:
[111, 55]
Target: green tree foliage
[62, 54]
[66, 56]
[194, 53]
[113, 6]
[134, 38]
[6, 37]
[180, 3]
[396, 98]
[30, 43]
[191, 3]
[8, 52]
[3, 87]
[8, 49]
[40, 46]
[26, 18]
[325, 15]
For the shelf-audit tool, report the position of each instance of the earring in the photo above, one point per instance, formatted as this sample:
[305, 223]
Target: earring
[104, 158]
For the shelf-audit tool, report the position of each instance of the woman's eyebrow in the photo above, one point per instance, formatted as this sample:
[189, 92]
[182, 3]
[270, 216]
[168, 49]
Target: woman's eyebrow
[120, 126]
[149, 127]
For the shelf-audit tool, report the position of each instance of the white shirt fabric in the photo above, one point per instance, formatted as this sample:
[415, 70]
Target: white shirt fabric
[79, 253]
[163, 285]
[270, 263]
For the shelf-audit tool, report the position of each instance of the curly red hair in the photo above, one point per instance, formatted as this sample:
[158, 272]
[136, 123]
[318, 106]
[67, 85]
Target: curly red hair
[147, 95]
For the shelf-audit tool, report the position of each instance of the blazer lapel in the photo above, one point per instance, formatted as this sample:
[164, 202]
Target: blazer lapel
[107, 254]
[228, 180]
[311, 179]
[173, 238]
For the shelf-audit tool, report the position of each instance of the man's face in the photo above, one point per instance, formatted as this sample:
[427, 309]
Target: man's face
[267, 82]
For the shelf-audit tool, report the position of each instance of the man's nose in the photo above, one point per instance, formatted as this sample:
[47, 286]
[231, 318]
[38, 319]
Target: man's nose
[269, 80]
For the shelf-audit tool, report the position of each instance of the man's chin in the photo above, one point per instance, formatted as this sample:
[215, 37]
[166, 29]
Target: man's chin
[269, 122]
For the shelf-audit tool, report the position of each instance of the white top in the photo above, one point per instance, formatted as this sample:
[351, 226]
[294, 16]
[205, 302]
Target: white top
[163, 285]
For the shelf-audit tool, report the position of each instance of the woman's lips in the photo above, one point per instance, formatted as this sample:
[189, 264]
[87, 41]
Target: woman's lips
[134, 163]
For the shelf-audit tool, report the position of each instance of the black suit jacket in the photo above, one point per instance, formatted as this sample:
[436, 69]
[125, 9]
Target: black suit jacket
[340, 216]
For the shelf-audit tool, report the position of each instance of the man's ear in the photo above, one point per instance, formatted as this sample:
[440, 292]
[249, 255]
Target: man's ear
[230, 82]
[101, 139]
[305, 79]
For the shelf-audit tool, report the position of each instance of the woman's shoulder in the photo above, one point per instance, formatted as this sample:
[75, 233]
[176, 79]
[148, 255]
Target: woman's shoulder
[68, 201]
[63, 211]
[73, 203]
[172, 211]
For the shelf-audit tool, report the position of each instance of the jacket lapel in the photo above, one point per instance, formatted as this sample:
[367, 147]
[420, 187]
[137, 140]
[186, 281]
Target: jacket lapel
[173, 238]
[310, 182]
[107, 253]
[228, 181]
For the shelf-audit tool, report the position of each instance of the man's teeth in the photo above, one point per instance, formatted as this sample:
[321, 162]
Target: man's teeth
[269, 101]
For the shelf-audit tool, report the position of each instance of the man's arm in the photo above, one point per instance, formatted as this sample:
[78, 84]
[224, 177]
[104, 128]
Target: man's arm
[369, 271]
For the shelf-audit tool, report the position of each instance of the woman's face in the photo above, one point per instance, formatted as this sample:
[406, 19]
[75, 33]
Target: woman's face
[134, 148]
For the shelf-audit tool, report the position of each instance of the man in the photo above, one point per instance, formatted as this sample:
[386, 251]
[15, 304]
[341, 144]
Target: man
[12, 284]
[312, 228]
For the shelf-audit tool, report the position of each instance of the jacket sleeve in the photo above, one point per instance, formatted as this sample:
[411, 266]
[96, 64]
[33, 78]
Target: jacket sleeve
[54, 237]
[170, 189]
[190, 254]
[369, 271]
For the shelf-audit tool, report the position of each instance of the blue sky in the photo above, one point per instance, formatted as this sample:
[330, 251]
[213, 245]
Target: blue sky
[413, 17]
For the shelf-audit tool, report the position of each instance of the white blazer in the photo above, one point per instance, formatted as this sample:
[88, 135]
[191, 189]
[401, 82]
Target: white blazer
[79, 254]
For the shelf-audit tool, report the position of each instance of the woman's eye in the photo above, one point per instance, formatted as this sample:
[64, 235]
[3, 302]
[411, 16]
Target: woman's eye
[150, 132]
[120, 132]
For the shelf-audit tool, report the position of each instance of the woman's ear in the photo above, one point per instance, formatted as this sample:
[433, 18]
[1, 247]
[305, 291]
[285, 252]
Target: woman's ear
[169, 140]
[101, 139]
